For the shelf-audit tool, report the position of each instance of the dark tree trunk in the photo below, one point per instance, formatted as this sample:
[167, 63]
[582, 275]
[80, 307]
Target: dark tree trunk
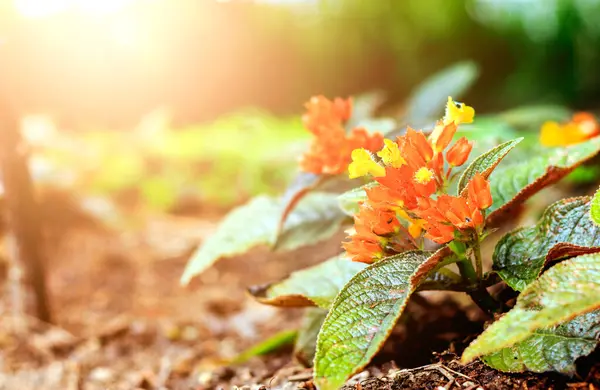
[27, 274]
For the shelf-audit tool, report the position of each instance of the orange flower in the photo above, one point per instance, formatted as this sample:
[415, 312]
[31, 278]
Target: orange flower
[582, 126]
[409, 171]
[445, 137]
[322, 113]
[378, 221]
[458, 154]
[449, 215]
[399, 180]
[363, 249]
[381, 197]
[479, 192]
[331, 149]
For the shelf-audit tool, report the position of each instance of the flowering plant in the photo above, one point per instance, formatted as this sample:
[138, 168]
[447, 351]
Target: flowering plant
[417, 224]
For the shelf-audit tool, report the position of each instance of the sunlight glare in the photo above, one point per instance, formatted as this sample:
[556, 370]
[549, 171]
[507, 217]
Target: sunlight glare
[36, 9]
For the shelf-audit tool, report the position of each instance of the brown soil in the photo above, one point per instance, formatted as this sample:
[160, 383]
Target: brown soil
[123, 322]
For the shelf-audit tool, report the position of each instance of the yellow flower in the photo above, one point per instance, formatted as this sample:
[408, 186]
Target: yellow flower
[458, 112]
[581, 127]
[362, 164]
[390, 154]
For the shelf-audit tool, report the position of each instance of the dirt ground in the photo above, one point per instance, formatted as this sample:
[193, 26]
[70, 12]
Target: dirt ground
[123, 322]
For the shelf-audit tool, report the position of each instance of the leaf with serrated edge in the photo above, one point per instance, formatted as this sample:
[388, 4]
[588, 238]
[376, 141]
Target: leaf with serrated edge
[512, 184]
[306, 342]
[595, 208]
[316, 218]
[486, 163]
[350, 200]
[362, 316]
[564, 230]
[554, 349]
[568, 289]
[316, 285]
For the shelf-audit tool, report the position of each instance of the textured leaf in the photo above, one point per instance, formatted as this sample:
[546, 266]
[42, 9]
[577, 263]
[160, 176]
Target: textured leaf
[563, 230]
[316, 218]
[514, 183]
[269, 345]
[554, 349]
[306, 342]
[317, 285]
[427, 99]
[486, 163]
[566, 290]
[350, 200]
[362, 316]
[595, 208]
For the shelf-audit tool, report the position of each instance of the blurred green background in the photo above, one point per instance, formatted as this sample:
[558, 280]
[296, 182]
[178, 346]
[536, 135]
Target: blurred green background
[96, 67]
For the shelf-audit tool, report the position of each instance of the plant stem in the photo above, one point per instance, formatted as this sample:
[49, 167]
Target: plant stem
[466, 270]
[478, 260]
[479, 293]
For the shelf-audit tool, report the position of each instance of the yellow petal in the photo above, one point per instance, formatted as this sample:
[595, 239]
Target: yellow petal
[390, 154]
[415, 229]
[362, 164]
[552, 134]
[458, 112]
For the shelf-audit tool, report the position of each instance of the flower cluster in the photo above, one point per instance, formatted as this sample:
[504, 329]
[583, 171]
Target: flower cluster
[331, 148]
[581, 127]
[412, 175]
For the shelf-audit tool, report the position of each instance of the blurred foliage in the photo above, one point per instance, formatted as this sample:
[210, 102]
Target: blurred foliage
[222, 163]
[529, 51]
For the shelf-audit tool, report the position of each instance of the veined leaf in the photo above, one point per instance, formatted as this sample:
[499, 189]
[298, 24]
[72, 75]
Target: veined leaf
[486, 163]
[426, 100]
[564, 230]
[362, 316]
[566, 290]
[316, 218]
[514, 183]
[350, 200]
[306, 342]
[317, 285]
[595, 208]
[554, 349]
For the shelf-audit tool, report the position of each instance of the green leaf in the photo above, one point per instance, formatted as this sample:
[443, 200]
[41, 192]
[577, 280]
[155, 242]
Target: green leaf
[486, 163]
[362, 317]
[595, 208]
[273, 343]
[563, 230]
[566, 290]
[316, 218]
[430, 96]
[553, 349]
[317, 285]
[302, 184]
[350, 200]
[514, 183]
[306, 343]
